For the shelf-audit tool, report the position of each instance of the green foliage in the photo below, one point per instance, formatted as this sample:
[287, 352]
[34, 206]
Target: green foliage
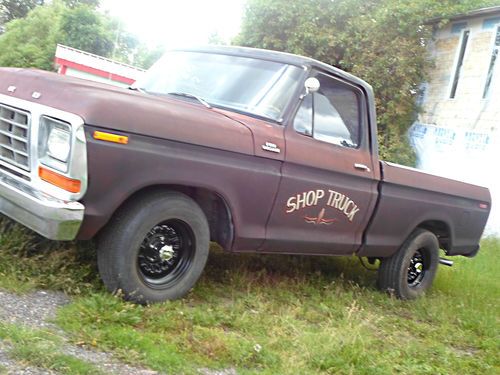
[40, 348]
[13, 9]
[31, 41]
[29, 261]
[145, 57]
[76, 3]
[85, 29]
[381, 41]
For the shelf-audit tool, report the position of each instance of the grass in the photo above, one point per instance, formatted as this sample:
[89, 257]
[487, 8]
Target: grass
[40, 348]
[276, 314]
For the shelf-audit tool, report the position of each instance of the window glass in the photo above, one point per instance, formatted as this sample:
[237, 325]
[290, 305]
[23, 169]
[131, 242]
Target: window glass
[336, 113]
[259, 87]
[460, 62]
[491, 69]
[303, 118]
[335, 118]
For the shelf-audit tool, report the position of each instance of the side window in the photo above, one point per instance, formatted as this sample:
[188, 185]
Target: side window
[335, 118]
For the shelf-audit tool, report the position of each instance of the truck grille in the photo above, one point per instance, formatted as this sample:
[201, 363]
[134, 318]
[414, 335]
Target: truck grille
[14, 136]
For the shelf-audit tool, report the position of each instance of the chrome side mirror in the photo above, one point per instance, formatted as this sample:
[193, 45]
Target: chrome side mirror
[312, 85]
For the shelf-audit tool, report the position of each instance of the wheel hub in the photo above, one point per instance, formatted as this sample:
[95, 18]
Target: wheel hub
[167, 253]
[416, 269]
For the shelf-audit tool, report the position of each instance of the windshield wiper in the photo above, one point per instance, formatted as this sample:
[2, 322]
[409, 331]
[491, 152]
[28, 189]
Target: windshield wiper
[134, 88]
[186, 95]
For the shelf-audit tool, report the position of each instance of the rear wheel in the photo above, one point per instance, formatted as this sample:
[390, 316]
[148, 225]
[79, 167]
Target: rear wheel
[154, 249]
[411, 270]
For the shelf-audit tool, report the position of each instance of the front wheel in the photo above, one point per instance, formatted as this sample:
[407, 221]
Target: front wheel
[155, 248]
[411, 270]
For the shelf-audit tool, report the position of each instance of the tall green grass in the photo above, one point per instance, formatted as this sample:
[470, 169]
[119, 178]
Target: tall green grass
[278, 314]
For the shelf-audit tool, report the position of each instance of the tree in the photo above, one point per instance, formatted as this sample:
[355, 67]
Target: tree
[13, 9]
[76, 3]
[145, 57]
[83, 28]
[32, 41]
[381, 41]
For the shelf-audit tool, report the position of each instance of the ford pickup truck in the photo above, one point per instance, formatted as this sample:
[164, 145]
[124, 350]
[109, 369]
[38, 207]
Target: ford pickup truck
[256, 150]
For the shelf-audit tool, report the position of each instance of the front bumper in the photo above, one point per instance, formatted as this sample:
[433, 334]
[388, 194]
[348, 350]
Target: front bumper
[51, 217]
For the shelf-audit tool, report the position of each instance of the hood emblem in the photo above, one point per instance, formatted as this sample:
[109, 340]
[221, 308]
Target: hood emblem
[11, 88]
[36, 95]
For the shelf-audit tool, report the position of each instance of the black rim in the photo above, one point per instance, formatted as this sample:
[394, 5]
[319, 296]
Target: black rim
[416, 269]
[165, 254]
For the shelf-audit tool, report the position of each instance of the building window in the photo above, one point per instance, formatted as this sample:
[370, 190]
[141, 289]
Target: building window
[491, 69]
[460, 62]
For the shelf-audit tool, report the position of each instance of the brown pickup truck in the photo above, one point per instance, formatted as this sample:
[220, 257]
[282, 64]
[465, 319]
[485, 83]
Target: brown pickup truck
[256, 150]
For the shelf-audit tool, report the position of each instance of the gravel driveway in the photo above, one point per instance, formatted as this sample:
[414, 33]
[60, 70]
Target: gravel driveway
[35, 310]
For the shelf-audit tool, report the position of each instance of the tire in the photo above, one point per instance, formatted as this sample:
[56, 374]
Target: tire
[409, 273]
[155, 248]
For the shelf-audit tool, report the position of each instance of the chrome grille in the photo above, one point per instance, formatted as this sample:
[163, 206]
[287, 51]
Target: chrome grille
[14, 136]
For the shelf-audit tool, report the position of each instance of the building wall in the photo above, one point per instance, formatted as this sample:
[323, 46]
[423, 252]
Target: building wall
[468, 109]
[92, 77]
[459, 137]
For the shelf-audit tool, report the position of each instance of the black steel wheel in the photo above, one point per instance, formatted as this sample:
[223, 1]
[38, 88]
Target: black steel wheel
[165, 253]
[155, 248]
[409, 273]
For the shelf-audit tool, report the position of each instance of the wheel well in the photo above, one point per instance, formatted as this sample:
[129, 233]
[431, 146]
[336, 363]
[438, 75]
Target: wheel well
[441, 230]
[212, 204]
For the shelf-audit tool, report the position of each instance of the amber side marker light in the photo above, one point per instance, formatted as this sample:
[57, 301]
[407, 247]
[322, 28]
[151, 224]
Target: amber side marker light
[110, 137]
[66, 183]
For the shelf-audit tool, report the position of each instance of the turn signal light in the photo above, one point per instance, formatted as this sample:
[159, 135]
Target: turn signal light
[66, 183]
[110, 137]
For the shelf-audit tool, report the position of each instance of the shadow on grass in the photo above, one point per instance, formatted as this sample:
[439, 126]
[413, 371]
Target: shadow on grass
[35, 262]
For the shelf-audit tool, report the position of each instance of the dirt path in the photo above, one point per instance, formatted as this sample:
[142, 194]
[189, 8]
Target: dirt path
[36, 310]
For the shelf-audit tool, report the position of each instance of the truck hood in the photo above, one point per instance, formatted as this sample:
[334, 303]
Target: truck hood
[130, 111]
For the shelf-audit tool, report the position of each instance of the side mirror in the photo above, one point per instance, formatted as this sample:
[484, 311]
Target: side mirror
[312, 85]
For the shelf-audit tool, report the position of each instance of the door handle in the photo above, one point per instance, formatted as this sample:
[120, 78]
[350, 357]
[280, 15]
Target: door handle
[361, 167]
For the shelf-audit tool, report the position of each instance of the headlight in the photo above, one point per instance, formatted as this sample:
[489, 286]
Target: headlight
[59, 144]
[54, 143]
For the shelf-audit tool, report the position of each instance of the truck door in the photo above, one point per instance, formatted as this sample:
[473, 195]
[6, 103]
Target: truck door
[329, 178]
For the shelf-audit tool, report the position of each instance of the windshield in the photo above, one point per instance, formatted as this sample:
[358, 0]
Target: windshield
[250, 85]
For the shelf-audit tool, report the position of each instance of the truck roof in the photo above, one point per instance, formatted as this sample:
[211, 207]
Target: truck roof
[281, 57]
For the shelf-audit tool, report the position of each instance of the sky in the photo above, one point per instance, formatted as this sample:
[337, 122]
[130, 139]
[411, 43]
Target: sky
[177, 23]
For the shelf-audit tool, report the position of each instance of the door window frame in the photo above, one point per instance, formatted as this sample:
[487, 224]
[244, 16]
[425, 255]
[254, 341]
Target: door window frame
[362, 108]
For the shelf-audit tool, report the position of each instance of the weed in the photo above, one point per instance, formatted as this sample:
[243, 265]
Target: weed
[41, 349]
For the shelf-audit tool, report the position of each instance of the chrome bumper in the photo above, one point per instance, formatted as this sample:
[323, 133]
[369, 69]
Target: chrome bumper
[49, 216]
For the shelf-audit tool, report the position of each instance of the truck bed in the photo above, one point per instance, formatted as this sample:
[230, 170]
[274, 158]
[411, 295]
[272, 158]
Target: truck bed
[409, 198]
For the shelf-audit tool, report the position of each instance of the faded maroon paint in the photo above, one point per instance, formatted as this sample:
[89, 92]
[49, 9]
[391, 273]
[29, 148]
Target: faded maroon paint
[409, 198]
[130, 111]
[309, 165]
[247, 184]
